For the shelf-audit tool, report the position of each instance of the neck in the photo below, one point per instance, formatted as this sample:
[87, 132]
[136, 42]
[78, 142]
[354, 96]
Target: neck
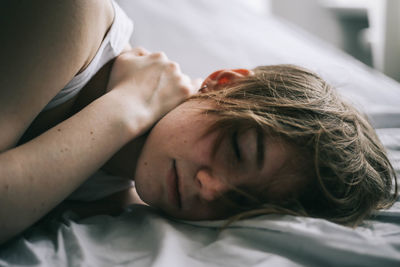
[123, 163]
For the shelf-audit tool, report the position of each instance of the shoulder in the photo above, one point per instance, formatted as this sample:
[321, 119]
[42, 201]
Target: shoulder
[60, 32]
[79, 9]
[90, 20]
[44, 44]
[69, 17]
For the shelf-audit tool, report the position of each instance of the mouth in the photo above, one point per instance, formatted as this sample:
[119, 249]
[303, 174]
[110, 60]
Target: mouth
[174, 196]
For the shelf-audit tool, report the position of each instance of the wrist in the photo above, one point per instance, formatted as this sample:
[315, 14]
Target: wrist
[132, 115]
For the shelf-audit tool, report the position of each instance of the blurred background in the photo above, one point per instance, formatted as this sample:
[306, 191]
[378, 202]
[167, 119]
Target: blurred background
[369, 30]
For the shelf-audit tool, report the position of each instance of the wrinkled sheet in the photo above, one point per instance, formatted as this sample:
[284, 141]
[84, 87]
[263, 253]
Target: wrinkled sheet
[141, 237]
[205, 35]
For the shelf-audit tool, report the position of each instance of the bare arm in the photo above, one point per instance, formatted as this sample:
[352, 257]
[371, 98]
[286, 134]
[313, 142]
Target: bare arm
[37, 175]
[44, 44]
[43, 47]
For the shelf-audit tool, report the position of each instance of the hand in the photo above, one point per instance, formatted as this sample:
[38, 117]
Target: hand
[150, 82]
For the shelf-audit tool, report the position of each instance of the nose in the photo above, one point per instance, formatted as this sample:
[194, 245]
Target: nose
[210, 187]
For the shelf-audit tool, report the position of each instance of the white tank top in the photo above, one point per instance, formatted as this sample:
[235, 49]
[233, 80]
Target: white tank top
[114, 42]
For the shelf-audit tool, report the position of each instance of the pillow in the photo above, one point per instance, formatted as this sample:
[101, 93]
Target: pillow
[205, 35]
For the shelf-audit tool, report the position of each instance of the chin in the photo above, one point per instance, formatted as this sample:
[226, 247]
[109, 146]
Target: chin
[142, 195]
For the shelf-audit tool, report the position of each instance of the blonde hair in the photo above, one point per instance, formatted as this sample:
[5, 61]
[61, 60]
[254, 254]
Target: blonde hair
[345, 167]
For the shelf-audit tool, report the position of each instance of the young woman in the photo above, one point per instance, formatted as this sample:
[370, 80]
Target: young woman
[272, 139]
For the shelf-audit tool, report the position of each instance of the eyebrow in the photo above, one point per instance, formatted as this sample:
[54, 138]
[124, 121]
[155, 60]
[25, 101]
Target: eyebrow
[260, 150]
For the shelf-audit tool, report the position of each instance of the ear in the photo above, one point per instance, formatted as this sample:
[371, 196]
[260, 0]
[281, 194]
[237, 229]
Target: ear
[221, 78]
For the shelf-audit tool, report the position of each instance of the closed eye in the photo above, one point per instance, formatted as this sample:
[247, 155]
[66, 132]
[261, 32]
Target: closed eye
[235, 146]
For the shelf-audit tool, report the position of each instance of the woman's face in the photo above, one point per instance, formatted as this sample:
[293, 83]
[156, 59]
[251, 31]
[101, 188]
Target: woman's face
[177, 173]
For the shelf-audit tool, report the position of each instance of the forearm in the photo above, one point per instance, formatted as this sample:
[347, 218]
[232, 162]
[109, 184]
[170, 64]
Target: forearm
[36, 176]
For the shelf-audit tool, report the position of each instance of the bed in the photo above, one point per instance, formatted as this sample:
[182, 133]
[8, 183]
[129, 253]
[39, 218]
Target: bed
[203, 36]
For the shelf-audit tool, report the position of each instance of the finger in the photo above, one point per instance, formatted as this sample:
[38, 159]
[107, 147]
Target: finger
[161, 56]
[174, 67]
[197, 83]
[193, 85]
[140, 51]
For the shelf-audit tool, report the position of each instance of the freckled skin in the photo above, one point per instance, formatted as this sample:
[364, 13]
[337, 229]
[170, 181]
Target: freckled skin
[178, 138]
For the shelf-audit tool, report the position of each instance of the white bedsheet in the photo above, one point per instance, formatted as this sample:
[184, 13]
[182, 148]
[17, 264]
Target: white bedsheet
[142, 237]
[204, 35]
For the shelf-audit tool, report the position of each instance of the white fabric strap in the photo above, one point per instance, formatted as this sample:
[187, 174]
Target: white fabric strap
[112, 45]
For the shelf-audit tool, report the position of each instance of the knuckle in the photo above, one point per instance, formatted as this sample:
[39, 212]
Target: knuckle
[172, 66]
[184, 90]
[139, 50]
[153, 55]
[124, 57]
[162, 55]
[178, 79]
[158, 55]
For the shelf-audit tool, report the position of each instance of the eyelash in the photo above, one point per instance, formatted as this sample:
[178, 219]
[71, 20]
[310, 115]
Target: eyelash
[235, 146]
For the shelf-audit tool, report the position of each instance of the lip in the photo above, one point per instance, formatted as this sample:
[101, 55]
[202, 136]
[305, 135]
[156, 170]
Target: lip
[173, 187]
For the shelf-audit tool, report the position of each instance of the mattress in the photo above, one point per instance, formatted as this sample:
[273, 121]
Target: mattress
[203, 36]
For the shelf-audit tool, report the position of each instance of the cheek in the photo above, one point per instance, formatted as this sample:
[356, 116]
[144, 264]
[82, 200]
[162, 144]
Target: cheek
[184, 139]
[145, 183]
[150, 170]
